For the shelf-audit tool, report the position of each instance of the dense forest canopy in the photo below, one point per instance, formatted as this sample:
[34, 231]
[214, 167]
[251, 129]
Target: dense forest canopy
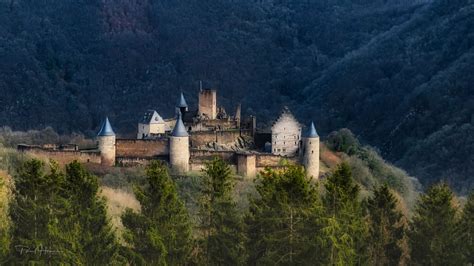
[52, 215]
[396, 72]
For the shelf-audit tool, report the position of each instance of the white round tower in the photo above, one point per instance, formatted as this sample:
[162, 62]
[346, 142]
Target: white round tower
[106, 139]
[311, 152]
[179, 147]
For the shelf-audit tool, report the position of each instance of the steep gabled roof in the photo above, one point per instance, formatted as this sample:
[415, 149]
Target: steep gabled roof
[106, 129]
[179, 129]
[312, 132]
[152, 117]
[181, 102]
[286, 115]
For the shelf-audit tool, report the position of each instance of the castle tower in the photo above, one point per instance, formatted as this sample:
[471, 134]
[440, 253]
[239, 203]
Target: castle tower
[286, 134]
[179, 147]
[208, 103]
[181, 105]
[311, 152]
[238, 114]
[106, 139]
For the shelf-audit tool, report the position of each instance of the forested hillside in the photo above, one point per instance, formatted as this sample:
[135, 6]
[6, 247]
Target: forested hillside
[410, 93]
[395, 72]
[58, 216]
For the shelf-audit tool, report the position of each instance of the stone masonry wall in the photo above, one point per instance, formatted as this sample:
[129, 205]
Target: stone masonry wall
[270, 160]
[246, 165]
[201, 156]
[221, 137]
[208, 103]
[65, 157]
[286, 135]
[142, 148]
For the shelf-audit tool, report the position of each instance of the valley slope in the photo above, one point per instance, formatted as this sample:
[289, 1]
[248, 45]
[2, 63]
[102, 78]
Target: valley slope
[397, 73]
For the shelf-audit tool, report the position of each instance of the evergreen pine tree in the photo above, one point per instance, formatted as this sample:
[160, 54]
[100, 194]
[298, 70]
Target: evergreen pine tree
[432, 235]
[220, 223]
[161, 232]
[96, 241]
[386, 228]
[36, 211]
[345, 230]
[283, 223]
[467, 230]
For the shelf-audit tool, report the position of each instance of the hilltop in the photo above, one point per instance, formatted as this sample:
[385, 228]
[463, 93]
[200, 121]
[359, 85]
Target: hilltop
[397, 73]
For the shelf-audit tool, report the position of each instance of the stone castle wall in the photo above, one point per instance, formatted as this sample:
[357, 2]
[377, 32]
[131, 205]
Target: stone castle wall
[141, 148]
[218, 124]
[201, 156]
[220, 137]
[135, 161]
[271, 160]
[64, 157]
[139, 152]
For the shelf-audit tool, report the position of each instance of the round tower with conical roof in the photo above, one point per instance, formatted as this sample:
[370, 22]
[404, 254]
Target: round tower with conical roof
[106, 139]
[179, 147]
[181, 105]
[311, 152]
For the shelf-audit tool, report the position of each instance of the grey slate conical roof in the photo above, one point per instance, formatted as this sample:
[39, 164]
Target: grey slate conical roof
[106, 129]
[312, 132]
[179, 129]
[181, 101]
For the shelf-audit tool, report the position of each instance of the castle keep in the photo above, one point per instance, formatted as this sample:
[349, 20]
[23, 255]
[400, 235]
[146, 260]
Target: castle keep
[194, 136]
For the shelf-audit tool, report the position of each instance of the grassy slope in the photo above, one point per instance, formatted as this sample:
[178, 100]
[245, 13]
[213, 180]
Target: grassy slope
[368, 171]
[5, 197]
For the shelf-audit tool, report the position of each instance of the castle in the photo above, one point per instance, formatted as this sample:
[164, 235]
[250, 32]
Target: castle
[194, 136]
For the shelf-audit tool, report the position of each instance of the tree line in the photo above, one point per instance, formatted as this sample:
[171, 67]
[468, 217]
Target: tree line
[57, 217]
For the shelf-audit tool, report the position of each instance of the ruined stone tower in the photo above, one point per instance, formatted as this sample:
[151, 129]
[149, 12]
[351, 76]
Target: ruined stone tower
[106, 139]
[179, 147]
[311, 152]
[208, 104]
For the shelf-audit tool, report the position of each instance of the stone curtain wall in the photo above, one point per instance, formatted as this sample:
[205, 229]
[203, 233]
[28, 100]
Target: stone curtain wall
[140, 148]
[214, 124]
[65, 157]
[270, 160]
[201, 156]
[221, 137]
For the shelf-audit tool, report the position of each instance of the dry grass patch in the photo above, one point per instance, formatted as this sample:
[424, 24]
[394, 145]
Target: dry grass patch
[117, 201]
[5, 198]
